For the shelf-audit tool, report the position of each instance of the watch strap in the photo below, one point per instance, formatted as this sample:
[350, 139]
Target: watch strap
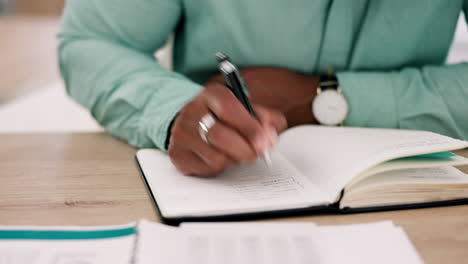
[328, 82]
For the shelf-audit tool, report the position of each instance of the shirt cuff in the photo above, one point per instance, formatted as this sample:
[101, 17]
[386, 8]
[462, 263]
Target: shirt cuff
[160, 112]
[371, 99]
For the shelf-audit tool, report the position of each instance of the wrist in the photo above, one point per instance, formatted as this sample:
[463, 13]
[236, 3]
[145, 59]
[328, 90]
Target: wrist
[301, 113]
[169, 133]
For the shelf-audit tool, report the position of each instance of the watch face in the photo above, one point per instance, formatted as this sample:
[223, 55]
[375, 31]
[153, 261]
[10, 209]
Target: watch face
[330, 108]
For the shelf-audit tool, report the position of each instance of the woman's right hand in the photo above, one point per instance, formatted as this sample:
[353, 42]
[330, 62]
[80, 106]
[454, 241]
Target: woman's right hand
[236, 136]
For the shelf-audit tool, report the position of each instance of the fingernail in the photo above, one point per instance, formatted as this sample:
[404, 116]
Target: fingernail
[260, 143]
[273, 136]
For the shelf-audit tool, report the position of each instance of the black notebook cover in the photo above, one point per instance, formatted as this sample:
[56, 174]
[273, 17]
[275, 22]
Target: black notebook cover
[313, 210]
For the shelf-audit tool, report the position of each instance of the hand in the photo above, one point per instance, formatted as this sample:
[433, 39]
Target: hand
[288, 92]
[236, 136]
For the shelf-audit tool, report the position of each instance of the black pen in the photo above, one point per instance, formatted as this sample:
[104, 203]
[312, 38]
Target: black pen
[235, 83]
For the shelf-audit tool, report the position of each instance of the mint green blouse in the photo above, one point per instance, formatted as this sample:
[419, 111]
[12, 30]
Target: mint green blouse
[390, 57]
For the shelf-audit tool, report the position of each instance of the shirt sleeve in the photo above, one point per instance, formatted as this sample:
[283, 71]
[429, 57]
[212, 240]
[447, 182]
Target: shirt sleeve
[106, 52]
[433, 98]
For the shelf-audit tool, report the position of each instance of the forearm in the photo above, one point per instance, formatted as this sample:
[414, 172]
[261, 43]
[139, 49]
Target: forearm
[430, 98]
[110, 68]
[127, 92]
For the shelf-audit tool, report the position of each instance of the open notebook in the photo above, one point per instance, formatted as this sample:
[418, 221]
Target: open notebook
[314, 168]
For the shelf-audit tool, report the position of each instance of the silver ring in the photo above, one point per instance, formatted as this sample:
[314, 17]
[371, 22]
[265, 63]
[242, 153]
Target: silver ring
[204, 126]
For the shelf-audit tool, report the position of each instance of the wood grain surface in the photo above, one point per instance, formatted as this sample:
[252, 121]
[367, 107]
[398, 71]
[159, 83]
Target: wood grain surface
[92, 179]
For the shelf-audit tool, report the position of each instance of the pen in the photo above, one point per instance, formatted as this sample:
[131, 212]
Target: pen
[235, 83]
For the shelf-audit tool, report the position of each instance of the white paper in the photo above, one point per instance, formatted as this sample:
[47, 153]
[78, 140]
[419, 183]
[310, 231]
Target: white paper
[117, 250]
[157, 243]
[331, 156]
[235, 243]
[292, 243]
[227, 243]
[425, 176]
[246, 188]
[400, 164]
[379, 242]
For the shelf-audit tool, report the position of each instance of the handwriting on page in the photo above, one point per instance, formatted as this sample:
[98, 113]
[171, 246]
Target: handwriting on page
[248, 187]
[245, 186]
[258, 182]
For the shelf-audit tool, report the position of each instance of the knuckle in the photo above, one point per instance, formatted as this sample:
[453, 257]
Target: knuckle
[225, 104]
[253, 132]
[177, 132]
[250, 156]
[217, 162]
[215, 134]
[172, 152]
[225, 108]
[248, 126]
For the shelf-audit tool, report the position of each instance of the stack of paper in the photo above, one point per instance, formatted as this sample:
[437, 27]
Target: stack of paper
[207, 243]
[301, 243]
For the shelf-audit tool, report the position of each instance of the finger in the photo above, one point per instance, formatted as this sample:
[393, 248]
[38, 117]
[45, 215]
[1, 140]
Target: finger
[215, 159]
[273, 122]
[185, 134]
[187, 162]
[271, 117]
[228, 109]
[231, 143]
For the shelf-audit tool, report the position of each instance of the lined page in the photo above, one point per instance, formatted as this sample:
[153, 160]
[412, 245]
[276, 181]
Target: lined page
[245, 188]
[414, 176]
[400, 164]
[331, 156]
[271, 243]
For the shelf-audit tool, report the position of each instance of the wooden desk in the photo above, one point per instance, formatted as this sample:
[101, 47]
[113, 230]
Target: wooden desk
[28, 57]
[92, 179]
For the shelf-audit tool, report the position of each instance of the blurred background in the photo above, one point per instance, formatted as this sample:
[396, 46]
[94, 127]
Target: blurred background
[32, 97]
